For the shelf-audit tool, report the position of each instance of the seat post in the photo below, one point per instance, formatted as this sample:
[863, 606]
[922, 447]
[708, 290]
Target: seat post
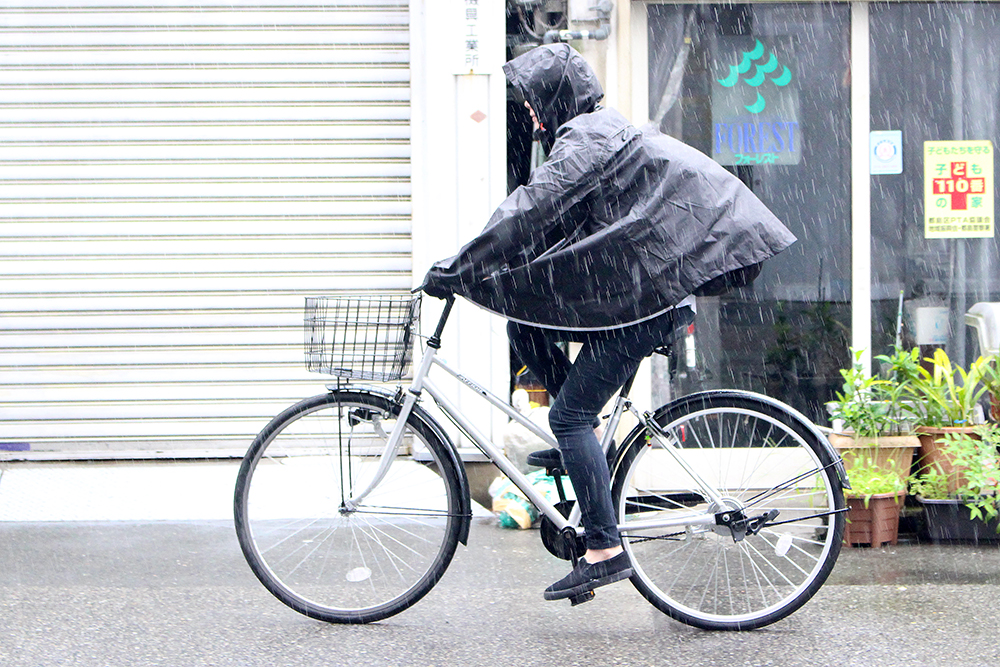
[556, 475]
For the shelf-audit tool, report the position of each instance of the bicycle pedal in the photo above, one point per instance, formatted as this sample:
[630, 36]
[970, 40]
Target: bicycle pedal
[581, 598]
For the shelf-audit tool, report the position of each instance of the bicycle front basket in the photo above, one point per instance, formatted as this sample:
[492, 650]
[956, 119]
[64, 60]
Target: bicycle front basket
[358, 337]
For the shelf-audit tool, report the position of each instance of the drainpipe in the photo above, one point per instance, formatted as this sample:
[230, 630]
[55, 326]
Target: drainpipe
[603, 9]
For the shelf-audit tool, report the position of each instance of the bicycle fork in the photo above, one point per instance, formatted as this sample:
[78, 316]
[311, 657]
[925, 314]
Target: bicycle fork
[409, 400]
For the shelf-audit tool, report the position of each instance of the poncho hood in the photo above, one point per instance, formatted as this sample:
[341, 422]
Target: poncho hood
[558, 84]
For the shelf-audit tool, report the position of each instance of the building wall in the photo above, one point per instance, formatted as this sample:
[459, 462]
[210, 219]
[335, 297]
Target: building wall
[459, 176]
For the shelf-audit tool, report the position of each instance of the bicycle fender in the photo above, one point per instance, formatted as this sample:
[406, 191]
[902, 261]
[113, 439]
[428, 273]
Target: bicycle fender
[804, 421]
[464, 494]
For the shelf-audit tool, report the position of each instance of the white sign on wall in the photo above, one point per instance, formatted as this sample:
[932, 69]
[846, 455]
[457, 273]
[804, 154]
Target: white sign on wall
[886, 152]
[932, 325]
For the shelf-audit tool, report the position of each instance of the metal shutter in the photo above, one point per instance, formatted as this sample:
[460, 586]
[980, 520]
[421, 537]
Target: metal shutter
[174, 178]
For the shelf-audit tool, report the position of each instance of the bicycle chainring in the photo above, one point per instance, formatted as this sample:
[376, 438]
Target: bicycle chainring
[554, 540]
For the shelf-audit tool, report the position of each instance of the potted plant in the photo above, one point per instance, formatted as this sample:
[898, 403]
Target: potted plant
[947, 403]
[964, 504]
[991, 380]
[903, 370]
[946, 406]
[875, 499]
[873, 416]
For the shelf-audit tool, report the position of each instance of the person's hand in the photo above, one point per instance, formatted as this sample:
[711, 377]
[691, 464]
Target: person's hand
[435, 288]
[436, 291]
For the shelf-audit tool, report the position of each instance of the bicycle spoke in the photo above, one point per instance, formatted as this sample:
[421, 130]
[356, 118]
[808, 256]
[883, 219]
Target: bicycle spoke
[712, 574]
[394, 558]
[292, 535]
[306, 557]
[397, 541]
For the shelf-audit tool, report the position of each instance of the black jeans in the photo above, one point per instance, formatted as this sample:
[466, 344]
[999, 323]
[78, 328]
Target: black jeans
[581, 390]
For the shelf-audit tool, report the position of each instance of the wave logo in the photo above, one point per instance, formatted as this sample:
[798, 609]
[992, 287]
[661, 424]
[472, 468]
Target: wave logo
[764, 71]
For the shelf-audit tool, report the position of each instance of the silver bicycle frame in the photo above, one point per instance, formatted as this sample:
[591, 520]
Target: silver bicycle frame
[496, 455]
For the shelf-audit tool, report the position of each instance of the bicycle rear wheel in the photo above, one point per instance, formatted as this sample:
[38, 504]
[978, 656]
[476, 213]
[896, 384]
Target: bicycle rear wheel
[760, 458]
[335, 564]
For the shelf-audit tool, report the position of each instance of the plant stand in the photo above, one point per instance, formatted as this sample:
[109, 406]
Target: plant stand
[948, 520]
[877, 524]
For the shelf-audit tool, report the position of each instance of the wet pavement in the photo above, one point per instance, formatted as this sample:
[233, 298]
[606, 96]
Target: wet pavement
[176, 592]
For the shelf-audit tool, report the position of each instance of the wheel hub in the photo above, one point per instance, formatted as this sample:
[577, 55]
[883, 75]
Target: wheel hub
[725, 511]
[731, 520]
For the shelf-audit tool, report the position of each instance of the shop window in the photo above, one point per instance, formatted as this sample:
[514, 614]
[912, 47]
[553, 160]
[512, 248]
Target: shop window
[765, 90]
[933, 79]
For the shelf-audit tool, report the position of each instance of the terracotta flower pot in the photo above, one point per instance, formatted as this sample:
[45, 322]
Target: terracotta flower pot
[877, 524]
[896, 448]
[932, 451]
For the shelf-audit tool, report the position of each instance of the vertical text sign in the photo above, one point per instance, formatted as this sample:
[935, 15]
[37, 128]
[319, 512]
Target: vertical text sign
[477, 32]
[470, 50]
[958, 189]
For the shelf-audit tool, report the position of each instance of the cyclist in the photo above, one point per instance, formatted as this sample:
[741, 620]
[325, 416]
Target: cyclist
[614, 231]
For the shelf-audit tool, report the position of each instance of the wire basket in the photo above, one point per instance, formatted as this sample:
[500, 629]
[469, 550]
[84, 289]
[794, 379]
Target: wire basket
[363, 338]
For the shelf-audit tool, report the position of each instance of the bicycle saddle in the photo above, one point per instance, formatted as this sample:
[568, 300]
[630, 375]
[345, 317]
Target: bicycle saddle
[552, 458]
[546, 458]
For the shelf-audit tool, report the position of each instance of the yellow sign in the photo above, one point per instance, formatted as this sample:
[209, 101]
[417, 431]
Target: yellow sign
[958, 189]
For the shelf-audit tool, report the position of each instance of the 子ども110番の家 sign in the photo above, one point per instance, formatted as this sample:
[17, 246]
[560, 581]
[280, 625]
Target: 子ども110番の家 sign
[958, 189]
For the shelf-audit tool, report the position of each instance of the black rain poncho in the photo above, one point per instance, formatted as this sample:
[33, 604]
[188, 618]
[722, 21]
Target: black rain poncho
[616, 227]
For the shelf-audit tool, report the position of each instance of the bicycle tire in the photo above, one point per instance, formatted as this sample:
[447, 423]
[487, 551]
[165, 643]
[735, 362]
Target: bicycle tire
[348, 566]
[748, 448]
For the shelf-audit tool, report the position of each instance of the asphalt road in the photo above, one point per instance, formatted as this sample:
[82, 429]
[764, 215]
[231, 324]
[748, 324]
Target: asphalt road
[178, 593]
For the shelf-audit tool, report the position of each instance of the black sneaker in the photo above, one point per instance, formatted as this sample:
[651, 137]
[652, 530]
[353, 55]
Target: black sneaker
[586, 577]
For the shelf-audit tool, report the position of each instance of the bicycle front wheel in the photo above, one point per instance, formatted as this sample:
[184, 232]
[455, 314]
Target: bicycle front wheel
[314, 553]
[759, 458]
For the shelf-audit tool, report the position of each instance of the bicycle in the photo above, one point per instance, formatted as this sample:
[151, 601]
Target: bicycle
[350, 505]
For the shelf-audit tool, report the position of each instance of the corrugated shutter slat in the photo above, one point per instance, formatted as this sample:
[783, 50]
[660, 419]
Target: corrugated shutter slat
[174, 179]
